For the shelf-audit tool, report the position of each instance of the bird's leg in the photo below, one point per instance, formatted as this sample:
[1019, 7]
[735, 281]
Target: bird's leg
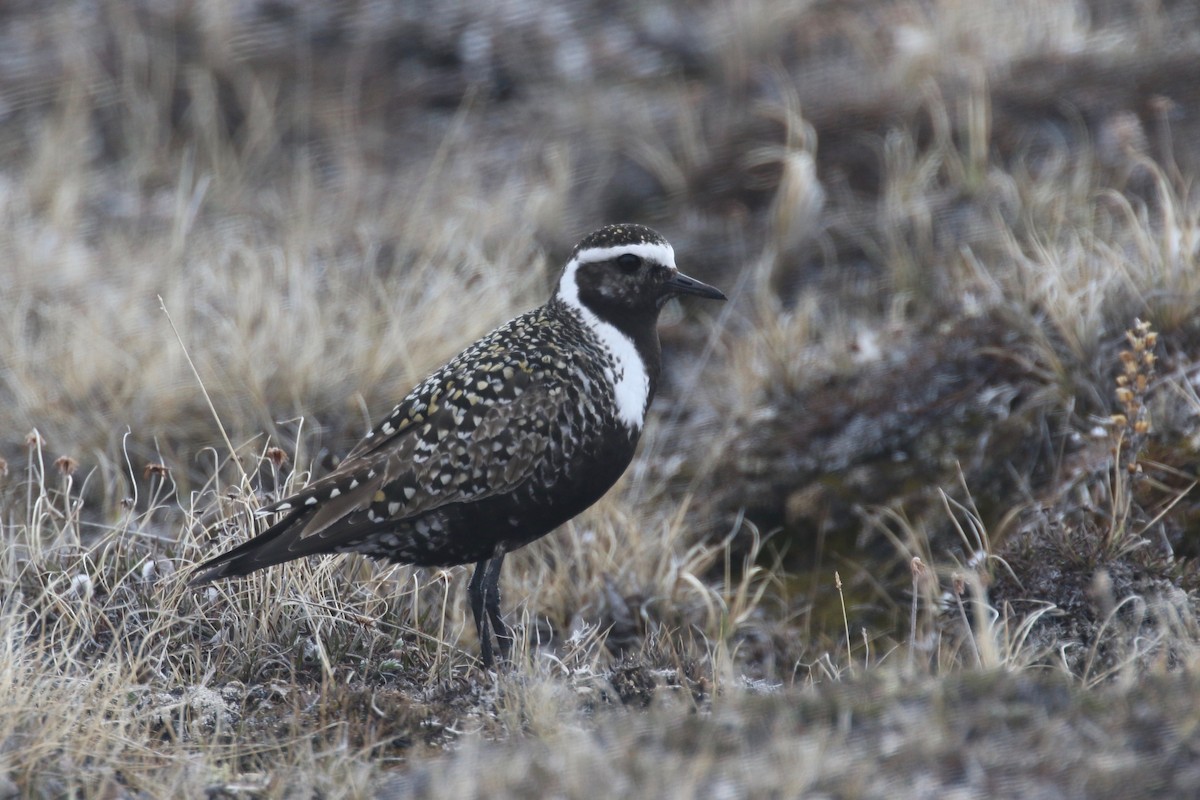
[491, 602]
[476, 590]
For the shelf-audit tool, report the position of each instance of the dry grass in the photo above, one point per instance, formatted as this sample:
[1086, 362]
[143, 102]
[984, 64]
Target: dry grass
[884, 534]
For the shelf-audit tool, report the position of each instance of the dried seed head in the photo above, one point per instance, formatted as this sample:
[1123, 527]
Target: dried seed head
[277, 456]
[1133, 386]
[66, 465]
[156, 470]
[918, 567]
[34, 440]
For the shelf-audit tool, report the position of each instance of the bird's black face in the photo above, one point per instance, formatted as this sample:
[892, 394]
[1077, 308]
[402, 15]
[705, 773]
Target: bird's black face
[626, 271]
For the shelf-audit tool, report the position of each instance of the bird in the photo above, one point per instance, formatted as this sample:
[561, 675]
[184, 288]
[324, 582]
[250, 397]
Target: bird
[516, 435]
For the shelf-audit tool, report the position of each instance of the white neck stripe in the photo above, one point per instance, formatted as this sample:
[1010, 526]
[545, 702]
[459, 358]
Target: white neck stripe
[630, 381]
[568, 288]
[648, 251]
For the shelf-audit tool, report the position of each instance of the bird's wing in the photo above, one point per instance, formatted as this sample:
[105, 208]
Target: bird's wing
[458, 448]
[460, 452]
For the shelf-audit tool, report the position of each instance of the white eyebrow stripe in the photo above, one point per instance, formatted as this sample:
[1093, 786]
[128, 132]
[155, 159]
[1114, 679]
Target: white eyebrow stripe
[648, 251]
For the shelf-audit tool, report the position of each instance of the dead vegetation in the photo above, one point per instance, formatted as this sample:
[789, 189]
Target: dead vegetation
[916, 510]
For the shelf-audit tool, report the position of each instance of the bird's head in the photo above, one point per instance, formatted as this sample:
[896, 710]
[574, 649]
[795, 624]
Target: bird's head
[625, 271]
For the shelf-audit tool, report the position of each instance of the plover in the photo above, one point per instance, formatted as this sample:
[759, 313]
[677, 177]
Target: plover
[516, 435]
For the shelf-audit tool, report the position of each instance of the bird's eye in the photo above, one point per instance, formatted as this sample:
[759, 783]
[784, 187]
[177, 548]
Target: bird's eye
[628, 262]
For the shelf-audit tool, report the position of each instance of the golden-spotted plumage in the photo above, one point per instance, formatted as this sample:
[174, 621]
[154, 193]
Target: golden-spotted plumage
[517, 434]
[511, 416]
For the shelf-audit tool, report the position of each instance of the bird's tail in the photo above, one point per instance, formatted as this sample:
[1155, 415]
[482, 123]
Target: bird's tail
[264, 550]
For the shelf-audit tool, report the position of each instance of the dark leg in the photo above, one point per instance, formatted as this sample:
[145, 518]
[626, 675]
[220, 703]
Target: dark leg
[475, 593]
[491, 603]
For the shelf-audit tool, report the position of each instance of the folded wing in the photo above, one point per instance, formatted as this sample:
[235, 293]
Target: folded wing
[440, 446]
